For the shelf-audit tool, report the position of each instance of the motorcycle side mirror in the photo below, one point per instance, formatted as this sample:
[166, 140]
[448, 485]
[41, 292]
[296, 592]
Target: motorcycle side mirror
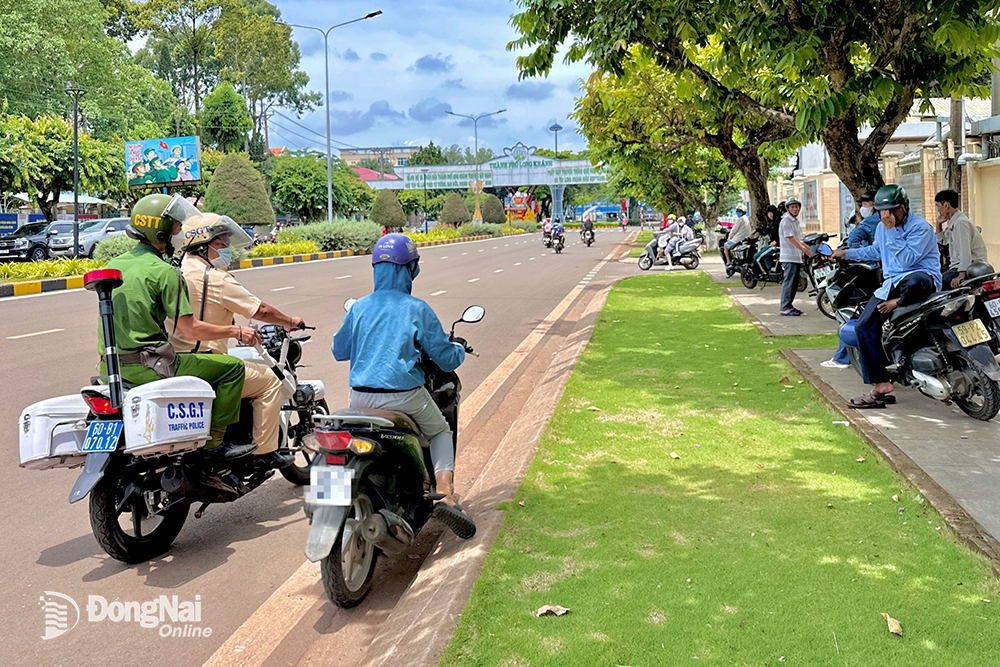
[348, 304]
[473, 314]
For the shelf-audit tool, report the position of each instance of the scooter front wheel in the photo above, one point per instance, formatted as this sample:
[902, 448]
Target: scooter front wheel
[645, 263]
[746, 276]
[347, 572]
[824, 305]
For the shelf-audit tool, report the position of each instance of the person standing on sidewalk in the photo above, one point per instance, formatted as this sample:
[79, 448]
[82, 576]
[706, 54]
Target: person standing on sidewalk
[792, 249]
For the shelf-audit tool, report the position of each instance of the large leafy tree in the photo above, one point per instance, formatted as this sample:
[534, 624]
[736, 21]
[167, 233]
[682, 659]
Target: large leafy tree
[825, 68]
[37, 158]
[225, 121]
[298, 185]
[428, 155]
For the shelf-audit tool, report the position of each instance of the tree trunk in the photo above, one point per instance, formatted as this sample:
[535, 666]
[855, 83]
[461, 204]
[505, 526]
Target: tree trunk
[953, 172]
[859, 175]
[47, 207]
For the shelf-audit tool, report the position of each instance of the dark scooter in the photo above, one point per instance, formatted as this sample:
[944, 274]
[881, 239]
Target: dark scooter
[373, 485]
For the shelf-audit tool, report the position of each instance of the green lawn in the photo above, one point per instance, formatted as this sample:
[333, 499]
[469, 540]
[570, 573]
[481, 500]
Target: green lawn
[765, 542]
[644, 237]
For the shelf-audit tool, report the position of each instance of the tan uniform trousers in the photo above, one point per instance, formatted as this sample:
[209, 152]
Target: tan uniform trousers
[263, 386]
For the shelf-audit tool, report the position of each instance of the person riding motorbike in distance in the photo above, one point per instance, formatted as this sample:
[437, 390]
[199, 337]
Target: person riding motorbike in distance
[557, 230]
[741, 230]
[587, 226]
[217, 296]
[383, 336]
[153, 291]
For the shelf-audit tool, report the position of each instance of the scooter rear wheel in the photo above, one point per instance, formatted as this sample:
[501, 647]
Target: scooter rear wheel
[824, 305]
[747, 278]
[692, 263]
[983, 403]
[347, 572]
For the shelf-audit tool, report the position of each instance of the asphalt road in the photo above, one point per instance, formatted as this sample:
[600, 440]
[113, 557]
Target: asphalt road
[237, 554]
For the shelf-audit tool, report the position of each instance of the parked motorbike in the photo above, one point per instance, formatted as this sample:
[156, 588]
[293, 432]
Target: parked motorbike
[848, 285]
[820, 265]
[942, 348]
[986, 290]
[685, 254]
[372, 486]
[764, 267]
[588, 237]
[141, 447]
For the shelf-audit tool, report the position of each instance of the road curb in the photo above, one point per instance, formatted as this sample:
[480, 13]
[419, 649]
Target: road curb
[28, 287]
[961, 523]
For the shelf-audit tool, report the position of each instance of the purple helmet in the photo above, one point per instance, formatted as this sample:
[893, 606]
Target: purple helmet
[395, 248]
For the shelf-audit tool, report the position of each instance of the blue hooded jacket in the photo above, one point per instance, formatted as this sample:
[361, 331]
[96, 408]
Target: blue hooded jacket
[384, 332]
[864, 234]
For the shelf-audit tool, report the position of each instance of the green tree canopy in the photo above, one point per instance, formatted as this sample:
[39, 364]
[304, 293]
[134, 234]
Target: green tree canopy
[225, 120]
[455, 211]
[411, 200]
[387, 212]
[298, 184]
[493, 211]
[428, 155]
[36, 156]
[238, 190]
[825, 69]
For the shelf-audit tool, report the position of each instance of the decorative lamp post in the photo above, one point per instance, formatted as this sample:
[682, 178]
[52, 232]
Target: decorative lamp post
[555, 127]
[76, 92]
[424, 172]
[557, 190]
[326, 52]
[475, 126]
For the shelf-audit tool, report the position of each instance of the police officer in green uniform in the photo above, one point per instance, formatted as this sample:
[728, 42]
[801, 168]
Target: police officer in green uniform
[153, 291]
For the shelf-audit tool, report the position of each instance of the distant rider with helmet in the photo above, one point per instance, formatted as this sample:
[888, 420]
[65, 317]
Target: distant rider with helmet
[383, 336]
[154, 291]
[911, 264]
[217, 296]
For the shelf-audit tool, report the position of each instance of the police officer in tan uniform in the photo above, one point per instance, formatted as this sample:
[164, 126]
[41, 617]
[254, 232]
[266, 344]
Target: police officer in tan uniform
[217, 296]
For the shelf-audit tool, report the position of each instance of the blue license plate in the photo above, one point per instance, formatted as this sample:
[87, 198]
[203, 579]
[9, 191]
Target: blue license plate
[102, 436]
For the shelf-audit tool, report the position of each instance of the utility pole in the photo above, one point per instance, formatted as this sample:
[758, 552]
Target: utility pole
[475, 125]
[76, 92]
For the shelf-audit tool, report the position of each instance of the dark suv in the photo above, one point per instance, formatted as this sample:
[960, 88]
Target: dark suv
[28, 242]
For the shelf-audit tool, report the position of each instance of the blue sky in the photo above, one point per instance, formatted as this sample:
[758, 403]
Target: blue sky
[393, 77]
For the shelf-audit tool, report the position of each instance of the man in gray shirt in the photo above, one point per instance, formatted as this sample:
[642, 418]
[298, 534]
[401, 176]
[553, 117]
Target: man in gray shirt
[965, 243]
[792, 248]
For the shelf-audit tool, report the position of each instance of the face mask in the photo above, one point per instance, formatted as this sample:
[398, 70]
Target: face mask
[866, 211]
[224, 259]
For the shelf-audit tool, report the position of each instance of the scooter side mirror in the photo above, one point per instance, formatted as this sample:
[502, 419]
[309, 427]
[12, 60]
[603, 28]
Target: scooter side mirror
[348, 304]
[473, 314]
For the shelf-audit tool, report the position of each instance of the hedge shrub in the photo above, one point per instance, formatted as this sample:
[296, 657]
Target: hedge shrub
[435, 234]
[279, 249]
[455, 212]
[480, 229]
[238, 190]
[525, 225]
[359, 236]
[13, 272]
[510, 229]
[111, 247]
[493, 211]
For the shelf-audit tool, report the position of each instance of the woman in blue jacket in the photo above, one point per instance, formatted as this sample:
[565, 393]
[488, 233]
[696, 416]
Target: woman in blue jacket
[382, 336]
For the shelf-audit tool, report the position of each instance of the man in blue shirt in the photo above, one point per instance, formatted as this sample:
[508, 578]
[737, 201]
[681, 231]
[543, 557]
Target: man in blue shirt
[907, 247]
[864, 233]
[383, 335]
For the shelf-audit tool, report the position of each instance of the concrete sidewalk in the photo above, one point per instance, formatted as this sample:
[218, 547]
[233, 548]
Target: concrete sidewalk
[953, 459]
[763, 304]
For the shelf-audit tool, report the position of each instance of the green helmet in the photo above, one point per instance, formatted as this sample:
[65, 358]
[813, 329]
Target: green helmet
[889, 197]
[153, 218]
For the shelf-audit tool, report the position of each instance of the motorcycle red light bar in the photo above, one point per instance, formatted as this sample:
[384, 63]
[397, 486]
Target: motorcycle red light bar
[332, 460]
[99, 404]
[91, 278]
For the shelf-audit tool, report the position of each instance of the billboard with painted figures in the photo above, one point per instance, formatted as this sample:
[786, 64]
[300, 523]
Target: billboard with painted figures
[170, 161]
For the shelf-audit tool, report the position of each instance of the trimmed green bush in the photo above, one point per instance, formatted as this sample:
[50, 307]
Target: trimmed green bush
[525, 225]
[279, 249]
[481, 229]
[111, 247]
[13, 272]
[493, 211]
[387, 211]
[435, 234]
[455, 212]
[238, 190]
[510, 229]
[359, 236]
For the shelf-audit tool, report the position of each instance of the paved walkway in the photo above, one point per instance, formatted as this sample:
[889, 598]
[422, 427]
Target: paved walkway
[763, 305]
[960, 454]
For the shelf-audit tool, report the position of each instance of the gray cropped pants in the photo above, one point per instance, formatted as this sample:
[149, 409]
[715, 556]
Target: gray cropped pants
[416, 403]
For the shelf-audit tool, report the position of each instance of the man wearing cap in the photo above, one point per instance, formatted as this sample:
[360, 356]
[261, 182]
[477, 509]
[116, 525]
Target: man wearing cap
[792, 249]
[864, 233]
[906, 245]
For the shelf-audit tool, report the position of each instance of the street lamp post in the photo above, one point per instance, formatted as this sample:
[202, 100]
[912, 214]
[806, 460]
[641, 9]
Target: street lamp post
[326, 53]
[76, 92]
[475, 126]
[555, 127]
[424, 171]
[557, 190]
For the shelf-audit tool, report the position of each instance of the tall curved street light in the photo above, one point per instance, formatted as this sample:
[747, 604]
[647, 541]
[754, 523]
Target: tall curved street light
[326, 53]
[475, 125]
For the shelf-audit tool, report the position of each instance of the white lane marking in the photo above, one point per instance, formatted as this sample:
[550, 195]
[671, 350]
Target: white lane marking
[474, 280]
[282, 289]
[517, 263]
[531, 259]
[498, 271]
[445, 257]
[37, 333]
[506, 245]
[342, 277]
[439, 292]
[465, 253]
[481, 250]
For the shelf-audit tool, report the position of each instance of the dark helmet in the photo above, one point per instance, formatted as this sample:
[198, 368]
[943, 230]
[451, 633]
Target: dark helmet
[396, 249]
[889, 197]
[868, 196]
[978, 270]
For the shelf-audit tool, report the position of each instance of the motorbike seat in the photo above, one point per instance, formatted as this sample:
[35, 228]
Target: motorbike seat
[903, 312]
[374, 417]
[815, 237]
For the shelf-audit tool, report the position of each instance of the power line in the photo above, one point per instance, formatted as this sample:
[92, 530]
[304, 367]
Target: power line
[301, 136]
[322, 136]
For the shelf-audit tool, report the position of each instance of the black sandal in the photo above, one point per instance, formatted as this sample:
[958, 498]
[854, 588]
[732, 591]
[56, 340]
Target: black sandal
[867, 402]
[455, 518]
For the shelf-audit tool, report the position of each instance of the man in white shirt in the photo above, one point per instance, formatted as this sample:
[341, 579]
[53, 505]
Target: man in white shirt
[965, 242]
[740, 231]
[792, 249]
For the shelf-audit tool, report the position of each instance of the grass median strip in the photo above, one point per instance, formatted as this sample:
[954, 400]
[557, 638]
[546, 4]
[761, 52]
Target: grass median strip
[694, 501]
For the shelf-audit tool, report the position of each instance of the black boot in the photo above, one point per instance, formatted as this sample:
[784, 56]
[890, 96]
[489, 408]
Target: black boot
[228, 452]
[274, 460]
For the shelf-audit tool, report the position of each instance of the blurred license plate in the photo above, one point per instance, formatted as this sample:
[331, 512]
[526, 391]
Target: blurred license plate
[102, 436]
[971, 333]
[329, 485]
[822, 273]
[993, 307]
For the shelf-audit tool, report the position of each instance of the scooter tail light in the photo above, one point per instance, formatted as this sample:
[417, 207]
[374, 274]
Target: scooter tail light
[334, 460]
[334, 441]
[99, 404]
[991, 286]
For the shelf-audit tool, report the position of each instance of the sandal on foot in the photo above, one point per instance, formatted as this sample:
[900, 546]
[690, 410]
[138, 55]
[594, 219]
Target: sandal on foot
[866, 402]
[791, 313]
[455, 518]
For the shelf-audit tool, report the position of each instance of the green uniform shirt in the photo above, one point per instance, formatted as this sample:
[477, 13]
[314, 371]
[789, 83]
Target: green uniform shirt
[147, 297]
